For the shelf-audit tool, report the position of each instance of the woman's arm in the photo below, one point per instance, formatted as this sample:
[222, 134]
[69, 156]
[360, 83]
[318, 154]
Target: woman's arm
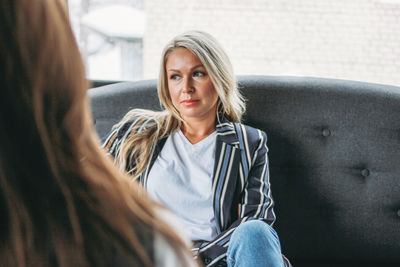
[256, 200]
[112, 141]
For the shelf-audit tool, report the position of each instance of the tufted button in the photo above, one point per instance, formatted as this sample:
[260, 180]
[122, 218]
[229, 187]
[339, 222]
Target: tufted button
[326, 132]
[398, 213]
[365, 172]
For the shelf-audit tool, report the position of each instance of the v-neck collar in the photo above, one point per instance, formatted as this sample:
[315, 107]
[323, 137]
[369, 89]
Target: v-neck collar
[200, 143]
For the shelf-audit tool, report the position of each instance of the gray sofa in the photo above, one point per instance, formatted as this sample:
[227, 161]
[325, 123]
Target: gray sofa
[334, 149]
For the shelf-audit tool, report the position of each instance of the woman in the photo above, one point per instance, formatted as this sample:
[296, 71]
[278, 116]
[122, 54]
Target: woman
[196, 158]
[62, 202]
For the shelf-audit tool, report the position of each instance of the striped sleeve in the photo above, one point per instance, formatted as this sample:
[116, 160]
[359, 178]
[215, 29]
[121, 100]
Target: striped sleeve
[113, 141]
[256, 199]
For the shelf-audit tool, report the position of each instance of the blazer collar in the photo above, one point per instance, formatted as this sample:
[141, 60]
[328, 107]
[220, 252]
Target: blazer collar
[226, 131]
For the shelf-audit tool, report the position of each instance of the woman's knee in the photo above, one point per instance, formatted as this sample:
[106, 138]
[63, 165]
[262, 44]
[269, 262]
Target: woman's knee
[254, 228]
[255, 232]
[254, 243]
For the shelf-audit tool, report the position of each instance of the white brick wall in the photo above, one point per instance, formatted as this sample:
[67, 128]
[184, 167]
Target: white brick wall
[357, 40]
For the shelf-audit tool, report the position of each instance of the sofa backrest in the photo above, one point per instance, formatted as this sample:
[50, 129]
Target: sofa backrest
[334, 152]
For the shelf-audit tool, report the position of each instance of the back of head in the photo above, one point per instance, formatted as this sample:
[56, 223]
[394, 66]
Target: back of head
[42, 86]
[62, 202]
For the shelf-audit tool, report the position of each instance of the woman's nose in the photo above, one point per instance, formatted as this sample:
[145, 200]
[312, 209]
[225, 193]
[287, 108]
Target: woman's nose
[187, 86]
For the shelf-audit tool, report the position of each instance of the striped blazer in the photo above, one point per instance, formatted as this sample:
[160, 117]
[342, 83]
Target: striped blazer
[241, 184]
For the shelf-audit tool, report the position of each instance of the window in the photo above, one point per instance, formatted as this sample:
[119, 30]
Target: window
[355, 40]
[110, 36]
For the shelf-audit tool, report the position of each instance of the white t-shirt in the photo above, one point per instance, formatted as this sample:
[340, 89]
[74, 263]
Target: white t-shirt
[181, 179]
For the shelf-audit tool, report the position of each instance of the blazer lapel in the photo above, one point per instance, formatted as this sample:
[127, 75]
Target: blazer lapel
[145, 174]
[226, 172]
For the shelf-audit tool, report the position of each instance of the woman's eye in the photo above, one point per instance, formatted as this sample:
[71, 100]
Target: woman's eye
[174, 77]
[198, 74]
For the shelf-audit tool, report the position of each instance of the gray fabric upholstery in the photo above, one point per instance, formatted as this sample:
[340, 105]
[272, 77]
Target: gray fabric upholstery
[334, 149]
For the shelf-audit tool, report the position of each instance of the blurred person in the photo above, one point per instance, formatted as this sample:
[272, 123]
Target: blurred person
[62, 201]
[199, 160]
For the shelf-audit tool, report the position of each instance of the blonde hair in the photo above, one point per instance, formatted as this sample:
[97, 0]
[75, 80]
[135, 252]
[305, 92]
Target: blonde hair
[138, 147]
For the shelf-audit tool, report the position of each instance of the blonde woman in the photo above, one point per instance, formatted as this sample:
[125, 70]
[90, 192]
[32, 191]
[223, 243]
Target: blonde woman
[196, 158]
[62, 201]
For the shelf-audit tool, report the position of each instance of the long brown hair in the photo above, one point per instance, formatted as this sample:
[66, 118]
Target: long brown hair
[62, 202]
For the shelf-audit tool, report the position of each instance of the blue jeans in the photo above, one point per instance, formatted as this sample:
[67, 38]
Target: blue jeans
[254, 243]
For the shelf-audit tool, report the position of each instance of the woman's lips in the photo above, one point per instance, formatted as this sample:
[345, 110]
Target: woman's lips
[189, 102]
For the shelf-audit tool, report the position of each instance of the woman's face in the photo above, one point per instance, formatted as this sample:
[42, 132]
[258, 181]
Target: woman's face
[191, 90]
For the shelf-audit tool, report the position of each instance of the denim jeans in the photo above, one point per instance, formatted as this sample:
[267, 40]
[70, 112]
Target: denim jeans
[254, 243]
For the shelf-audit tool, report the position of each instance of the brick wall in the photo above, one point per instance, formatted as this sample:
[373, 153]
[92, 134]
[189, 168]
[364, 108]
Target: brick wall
[356, 40]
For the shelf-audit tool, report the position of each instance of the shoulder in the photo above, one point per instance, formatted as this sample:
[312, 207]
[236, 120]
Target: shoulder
[135, 121]
[250, 134]
[253, 143]
[245, 132]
